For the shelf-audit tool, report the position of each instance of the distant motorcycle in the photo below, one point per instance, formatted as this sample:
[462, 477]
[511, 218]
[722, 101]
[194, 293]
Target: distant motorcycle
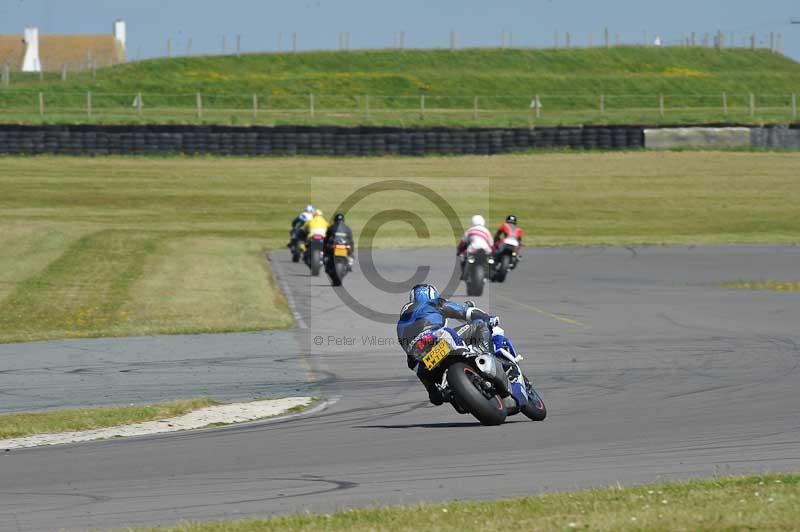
[313, 255]
[338, 264]
[475, 269]
[505, 258]
[296, 247]
[488, 386]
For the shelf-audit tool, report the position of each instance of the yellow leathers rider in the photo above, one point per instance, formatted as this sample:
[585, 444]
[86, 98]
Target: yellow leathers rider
[317, 225]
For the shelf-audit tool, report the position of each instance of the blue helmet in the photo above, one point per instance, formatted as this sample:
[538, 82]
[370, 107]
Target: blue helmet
[422, 293]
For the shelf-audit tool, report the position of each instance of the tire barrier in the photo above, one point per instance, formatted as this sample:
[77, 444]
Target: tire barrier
[301, 140]
[779, 137]
[368, 141]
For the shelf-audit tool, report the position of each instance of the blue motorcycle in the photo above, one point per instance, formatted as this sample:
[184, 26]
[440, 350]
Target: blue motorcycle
[488, 386]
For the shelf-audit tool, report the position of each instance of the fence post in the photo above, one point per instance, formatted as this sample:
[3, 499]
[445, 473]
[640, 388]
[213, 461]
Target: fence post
[422, 107]
[311, 105]
[255, 105]
[602, 104]
[794, 106]
[538, 106]
[475, 108]
[567, 38]
[189, 46]
[366, 106]
[644, 34]
[89, 104]
[772, 41]
[199, 103]
[41, 104]
[139, 103]
[169, 47]
[661, 105]
[752, 104]
[64, 72]
[238, 44]
[725, 103]
[555, 39]
[224, 45]
[294, 42]
[452, 40]
[605, 37]
[753, 41]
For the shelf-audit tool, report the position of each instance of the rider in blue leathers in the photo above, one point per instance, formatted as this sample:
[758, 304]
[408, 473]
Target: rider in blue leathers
[427, 312]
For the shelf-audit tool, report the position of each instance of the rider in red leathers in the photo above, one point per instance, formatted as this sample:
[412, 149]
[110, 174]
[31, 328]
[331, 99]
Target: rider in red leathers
[506, 229]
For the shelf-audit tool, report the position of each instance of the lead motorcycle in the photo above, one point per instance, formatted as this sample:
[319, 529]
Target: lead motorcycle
[488, 386]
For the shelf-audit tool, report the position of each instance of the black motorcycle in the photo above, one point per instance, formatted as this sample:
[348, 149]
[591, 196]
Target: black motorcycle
[505, 259]
[337, 263]
[475, 268]
[295, 246]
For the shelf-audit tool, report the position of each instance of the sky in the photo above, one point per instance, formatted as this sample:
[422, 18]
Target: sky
[262, 24]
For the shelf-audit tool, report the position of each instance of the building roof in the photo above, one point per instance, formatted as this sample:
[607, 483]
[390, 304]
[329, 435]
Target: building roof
[76, 52]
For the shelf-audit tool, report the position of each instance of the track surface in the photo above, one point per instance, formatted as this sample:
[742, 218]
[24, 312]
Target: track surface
[78, 373]
[648, 371]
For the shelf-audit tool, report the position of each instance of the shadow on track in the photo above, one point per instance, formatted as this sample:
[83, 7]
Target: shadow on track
[461, 424]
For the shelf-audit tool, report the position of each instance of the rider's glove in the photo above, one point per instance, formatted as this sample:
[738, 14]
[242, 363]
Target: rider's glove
[494, 321]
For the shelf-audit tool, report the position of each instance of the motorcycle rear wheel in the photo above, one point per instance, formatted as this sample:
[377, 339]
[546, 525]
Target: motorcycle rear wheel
[313, 262]
[463, 381]
[475, 280]
[502, 269]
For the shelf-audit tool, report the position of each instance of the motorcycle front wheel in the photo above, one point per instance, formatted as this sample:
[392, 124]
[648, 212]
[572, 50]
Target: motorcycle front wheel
[466, 383]
[535, 409]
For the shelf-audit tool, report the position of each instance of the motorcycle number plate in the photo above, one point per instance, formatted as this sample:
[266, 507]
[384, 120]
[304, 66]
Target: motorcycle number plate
[436, 355]
[340, 251]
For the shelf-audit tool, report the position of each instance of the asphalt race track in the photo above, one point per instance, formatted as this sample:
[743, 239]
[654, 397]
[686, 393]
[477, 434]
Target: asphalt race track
[648, 370]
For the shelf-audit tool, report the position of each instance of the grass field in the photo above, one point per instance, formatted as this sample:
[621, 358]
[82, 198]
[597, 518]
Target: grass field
[763, 284]
[53, 421]
[128, 246]
[770, 502]
[569, 82]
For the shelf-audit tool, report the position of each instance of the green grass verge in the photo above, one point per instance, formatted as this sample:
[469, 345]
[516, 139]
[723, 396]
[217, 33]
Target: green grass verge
[569, 83]
[763, 284]
[768, 502]
[128, 246]
[54, 421]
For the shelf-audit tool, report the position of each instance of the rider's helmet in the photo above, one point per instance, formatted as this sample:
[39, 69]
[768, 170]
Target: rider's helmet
[309, 209]
[422, 293]
[478, 220]
[511, 219]
[338, 217]
[318, 212]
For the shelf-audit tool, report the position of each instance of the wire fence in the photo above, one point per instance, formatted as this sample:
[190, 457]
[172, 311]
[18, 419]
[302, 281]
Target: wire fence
[265, 108]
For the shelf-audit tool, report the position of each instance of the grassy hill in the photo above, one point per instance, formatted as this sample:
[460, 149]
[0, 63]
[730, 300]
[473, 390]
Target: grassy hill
[570, 83]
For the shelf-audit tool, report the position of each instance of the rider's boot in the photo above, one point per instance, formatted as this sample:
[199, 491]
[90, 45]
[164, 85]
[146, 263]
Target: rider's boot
[434, 395]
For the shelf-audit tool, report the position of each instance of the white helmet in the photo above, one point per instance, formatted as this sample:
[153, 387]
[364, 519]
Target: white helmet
[478, 220]
[309, 209]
